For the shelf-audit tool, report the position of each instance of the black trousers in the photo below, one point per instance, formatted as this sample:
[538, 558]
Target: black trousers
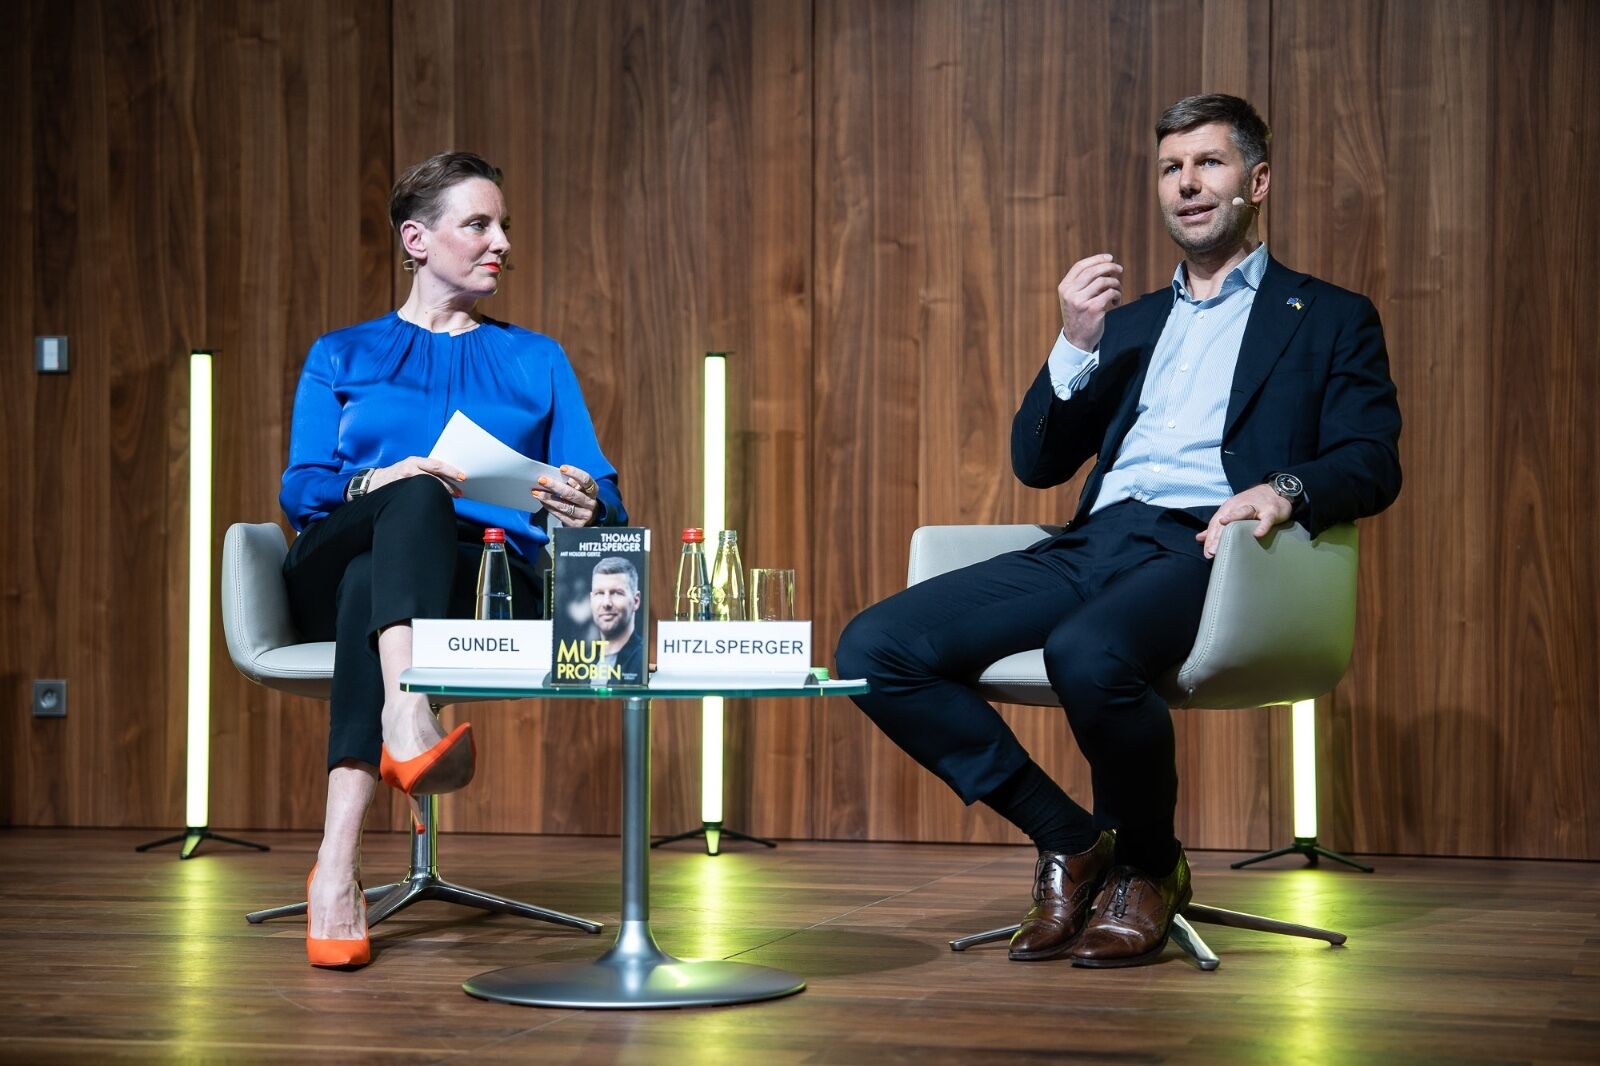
[1115, 603]
[393, 555]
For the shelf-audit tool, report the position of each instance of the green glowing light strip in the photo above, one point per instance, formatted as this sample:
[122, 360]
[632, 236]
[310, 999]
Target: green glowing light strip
[715, 448]
[1305, 769]
[196, 806]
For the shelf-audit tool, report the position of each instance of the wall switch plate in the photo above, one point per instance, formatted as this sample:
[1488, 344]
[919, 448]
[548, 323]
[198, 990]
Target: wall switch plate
[50, 355]
[50, 699]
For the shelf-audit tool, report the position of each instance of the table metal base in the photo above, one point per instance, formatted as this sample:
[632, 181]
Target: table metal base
[634, 975]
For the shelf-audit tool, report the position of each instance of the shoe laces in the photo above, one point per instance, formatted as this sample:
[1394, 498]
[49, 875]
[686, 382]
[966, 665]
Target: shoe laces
[1041, 875]
[1119, 894]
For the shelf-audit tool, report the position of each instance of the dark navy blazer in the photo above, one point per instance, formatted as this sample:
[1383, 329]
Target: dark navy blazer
[1311, 397]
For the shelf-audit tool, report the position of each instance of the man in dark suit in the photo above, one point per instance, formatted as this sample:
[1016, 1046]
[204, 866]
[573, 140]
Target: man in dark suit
[1243, 391]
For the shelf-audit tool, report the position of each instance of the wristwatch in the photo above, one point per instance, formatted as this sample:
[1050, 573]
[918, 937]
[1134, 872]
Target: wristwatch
[1288, 486]
[357, 486]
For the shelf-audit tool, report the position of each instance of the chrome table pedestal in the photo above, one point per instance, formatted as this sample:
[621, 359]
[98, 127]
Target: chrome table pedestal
[635, 973]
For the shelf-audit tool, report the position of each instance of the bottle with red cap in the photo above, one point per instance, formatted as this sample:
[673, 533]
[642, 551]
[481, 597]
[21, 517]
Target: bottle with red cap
[494, 576]
[692, 601]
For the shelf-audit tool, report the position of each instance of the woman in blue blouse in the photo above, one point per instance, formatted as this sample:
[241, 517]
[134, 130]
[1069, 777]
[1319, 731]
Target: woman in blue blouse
[385, 536]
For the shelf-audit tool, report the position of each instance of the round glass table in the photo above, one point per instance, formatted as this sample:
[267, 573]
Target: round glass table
[635, 972]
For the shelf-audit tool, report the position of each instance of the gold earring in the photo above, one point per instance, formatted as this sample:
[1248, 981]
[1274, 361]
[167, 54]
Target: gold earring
[409, 265]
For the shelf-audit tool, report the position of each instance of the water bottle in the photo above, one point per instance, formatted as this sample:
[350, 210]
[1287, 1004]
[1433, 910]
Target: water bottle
[692, 601]
[494, 576]
[727, 580]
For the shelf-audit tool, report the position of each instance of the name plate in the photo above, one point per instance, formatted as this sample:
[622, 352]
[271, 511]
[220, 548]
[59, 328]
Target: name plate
[734, 649]
[465, 643]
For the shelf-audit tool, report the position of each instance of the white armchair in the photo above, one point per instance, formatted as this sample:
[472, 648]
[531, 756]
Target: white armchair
[1277, 627]
[265, 647]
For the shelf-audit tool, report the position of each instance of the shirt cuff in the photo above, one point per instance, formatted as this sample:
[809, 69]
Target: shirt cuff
[1070, 367]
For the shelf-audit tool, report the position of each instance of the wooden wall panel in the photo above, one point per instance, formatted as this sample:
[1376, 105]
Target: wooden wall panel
[870, 203]
[19, 600]
[1452, 146]
[758, 225]
[502, 80]
[961, 169]
[97, 230]
[292, 177]
[186, 171]
[651, 166]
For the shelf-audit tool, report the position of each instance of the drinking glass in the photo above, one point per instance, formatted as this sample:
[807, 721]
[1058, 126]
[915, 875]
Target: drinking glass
[771, 594]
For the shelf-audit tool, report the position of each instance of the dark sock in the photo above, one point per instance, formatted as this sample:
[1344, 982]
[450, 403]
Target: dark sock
[1156, 857]
[1035, 804]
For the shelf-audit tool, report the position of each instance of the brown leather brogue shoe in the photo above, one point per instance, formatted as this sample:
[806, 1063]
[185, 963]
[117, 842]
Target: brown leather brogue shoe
[1063, 885]
[1132, 917]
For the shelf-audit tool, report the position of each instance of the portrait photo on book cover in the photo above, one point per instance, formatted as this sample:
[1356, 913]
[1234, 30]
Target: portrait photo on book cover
[600, 623]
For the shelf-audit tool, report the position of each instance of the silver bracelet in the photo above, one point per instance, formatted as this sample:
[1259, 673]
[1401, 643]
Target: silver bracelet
[358, 484]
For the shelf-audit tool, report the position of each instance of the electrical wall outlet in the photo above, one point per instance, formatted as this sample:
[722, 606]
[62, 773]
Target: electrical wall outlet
[50, 355]
[50, 699]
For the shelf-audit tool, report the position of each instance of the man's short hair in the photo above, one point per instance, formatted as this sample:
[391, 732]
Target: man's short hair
[615, 564]
[1250, 134]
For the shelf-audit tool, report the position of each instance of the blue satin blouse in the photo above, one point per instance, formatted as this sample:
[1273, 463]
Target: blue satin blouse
[378, 392]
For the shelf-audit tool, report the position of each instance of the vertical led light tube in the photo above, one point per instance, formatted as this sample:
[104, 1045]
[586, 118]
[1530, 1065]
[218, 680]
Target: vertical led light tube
[199, 746]
[1304, 740]
[715, 451]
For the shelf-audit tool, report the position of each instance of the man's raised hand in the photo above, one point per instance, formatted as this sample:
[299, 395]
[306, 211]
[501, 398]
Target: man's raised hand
[1091, 288]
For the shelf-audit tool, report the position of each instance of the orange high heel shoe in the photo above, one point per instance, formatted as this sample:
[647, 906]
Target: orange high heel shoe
[445, 767]
[336, 954]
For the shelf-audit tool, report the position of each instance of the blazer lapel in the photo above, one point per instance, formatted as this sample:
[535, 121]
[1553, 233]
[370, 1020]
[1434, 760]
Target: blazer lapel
[1282, 303]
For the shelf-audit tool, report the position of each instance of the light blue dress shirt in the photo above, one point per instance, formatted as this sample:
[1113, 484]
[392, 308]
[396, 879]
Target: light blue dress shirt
[1172, 457]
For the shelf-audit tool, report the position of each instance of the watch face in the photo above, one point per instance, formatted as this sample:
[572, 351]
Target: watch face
[1287, 485]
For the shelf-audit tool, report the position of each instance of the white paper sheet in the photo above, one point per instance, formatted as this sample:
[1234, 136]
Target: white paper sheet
[496, 472]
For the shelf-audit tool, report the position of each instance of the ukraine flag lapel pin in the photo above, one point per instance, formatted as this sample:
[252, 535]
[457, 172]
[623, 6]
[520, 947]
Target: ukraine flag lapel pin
[1294, 302]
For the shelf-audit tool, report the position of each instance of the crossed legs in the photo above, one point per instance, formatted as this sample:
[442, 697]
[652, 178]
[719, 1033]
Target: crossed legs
[409, 728]
[1115, 604]
[407, 533]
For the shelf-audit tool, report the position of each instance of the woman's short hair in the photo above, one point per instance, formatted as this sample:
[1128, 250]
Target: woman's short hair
[419, 193]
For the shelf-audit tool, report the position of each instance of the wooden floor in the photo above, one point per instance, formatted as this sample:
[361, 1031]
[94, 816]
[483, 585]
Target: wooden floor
[114, 956]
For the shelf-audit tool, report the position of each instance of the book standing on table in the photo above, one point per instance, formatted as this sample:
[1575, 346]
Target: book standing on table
[601, 610]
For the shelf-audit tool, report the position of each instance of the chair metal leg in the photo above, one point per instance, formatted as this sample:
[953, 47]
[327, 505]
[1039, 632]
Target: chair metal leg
[972, 941]
[288, 910]
[422, 890]
[1185, 937]
[1239, 920]
[422, 883]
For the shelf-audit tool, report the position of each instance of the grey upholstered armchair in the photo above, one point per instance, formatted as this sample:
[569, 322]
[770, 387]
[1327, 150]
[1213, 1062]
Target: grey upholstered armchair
[265, 647]
[1277, 627]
